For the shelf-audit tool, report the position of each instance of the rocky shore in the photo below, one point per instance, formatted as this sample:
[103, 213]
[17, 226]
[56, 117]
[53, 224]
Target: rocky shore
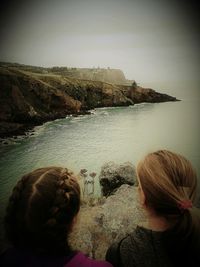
[29, 98]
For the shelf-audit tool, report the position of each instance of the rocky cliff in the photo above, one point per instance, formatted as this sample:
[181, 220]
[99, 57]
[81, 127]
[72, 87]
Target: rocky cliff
[30, 98]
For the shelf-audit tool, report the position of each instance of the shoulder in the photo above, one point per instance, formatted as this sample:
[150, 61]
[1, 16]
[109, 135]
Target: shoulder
[138, 240]
[82, 260]
[130, 250]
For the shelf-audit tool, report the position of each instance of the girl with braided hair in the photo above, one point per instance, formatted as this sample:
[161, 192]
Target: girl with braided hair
[40, 214]
[167, 188]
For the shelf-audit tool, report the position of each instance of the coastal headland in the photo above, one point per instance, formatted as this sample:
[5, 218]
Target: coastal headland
[30, 95]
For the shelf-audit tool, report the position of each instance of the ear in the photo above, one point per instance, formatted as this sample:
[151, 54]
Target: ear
[74, 221]
[142, 198]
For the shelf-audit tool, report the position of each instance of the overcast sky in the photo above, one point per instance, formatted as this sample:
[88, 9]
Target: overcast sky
[148, 39]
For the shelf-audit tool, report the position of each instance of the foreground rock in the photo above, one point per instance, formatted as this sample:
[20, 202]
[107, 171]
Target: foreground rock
[99, 226]
[113, 175]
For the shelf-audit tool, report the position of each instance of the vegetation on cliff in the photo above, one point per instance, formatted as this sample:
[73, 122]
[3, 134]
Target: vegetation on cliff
[109, 75]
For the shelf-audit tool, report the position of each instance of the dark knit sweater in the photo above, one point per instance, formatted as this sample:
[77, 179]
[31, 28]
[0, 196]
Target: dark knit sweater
[146, 248]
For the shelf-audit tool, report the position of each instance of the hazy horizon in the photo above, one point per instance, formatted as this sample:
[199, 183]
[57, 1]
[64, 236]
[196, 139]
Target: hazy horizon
[148, 40]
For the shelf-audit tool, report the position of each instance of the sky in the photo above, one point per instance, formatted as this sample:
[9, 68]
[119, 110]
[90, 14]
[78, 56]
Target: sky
[150, 40]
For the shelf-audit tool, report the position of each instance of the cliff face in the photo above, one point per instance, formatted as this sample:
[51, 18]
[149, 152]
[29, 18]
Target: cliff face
[27, 98]
[91, 94]
[24, 98]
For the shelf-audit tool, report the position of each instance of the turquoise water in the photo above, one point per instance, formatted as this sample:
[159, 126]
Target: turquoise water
[109, 134]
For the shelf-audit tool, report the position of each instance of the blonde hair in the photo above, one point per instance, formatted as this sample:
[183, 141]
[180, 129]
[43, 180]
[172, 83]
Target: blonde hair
[167, 179]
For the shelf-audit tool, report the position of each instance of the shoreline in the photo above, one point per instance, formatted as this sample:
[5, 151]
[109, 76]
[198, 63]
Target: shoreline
[17, 130]
[26, 130]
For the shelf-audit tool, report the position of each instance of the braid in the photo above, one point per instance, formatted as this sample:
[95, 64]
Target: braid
[65, 206]
[65, 199]
[43, 210]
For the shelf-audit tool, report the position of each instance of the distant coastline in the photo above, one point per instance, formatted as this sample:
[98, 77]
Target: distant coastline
[31, 95]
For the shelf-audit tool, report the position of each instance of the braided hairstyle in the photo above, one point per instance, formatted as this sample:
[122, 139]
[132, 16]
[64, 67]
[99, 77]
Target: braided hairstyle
[41, 210]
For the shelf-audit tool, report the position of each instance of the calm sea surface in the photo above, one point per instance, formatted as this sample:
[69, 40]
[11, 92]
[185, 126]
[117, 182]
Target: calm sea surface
[109, 134]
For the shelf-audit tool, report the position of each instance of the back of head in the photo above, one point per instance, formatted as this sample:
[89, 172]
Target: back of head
[41, 210]
[169, 183]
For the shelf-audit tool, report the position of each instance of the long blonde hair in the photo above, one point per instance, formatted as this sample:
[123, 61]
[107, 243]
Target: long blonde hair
[169, 183]
[167, 179]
